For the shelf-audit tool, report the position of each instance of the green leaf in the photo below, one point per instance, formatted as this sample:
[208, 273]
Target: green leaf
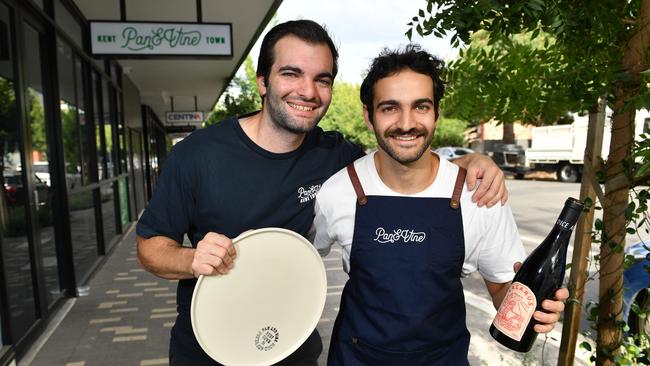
[586, 346]
[535, 34]
[598, 224]
[409, 34]
[421, 13]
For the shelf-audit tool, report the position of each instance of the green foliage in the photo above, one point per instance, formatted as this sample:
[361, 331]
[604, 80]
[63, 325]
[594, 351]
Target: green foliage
[588, 37]
[37, 121]
[518, 78]
[585, 46]
[641, 155]
[345, 115]
[449, 132]
[71, 138]
[8, 118]
[241, 95]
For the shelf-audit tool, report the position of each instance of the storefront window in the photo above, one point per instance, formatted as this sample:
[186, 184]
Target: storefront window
[121, 135]
[109, 119]
[124, 202]
[83, 231]
[108, 212]
[98, 141]
[69, 116]
[86, 132]
[13, 203]
[80, 204]
[42, 184]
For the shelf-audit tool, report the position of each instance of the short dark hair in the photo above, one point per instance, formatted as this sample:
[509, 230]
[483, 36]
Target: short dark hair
[391, 62]
[306, 30]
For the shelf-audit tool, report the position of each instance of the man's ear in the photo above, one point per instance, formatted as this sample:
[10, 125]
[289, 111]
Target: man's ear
[366, 119]
[261, 86]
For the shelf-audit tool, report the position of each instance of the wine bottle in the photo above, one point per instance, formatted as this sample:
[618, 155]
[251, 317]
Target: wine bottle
[539, 277]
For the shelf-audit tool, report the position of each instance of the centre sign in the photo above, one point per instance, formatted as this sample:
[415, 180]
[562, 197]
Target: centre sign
[161, 39]
[195, 116]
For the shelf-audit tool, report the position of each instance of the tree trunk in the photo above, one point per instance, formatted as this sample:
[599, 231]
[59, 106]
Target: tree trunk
[508, 133]
[616, 198]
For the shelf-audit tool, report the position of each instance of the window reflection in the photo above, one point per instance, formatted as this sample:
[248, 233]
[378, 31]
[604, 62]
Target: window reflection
[69, 116]
[83, 231]
[40, 167]
[74, 127]
[108, 213]
[107, 90]
[13, 223]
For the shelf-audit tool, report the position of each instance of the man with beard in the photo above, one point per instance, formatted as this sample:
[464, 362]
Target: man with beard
[409, 231]
[258, 170]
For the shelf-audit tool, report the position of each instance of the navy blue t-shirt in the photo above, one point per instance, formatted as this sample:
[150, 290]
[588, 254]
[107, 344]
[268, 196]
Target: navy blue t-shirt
[218, 180]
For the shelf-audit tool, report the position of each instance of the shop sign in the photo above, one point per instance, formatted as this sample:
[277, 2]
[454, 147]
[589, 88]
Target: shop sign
[184, 117]
[161, 39]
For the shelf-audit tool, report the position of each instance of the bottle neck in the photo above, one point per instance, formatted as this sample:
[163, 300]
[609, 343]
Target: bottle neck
[564, 226]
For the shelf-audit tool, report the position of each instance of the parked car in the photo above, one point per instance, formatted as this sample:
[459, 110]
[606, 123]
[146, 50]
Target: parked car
[15, 191]
[637, 288]
[452, 152]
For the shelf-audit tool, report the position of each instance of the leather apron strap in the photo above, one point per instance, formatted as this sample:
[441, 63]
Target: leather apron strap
[458, 188]
[358, 189]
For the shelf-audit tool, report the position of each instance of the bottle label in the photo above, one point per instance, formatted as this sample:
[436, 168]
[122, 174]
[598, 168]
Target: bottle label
[564, 225]
[515, 311]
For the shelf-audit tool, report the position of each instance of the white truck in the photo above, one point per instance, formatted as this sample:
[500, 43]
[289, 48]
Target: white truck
[561, 148]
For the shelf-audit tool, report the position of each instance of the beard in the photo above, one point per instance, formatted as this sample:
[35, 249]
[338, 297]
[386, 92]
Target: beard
[281, 117]
[409, 156]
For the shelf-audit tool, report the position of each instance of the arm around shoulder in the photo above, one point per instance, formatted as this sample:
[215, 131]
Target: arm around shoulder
[165, 258]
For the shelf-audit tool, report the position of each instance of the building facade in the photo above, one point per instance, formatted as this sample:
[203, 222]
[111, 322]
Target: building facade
[81, 152]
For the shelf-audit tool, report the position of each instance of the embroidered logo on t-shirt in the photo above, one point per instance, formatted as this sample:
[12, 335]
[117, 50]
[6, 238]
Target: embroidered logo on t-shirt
[399, 236]
[308, 194]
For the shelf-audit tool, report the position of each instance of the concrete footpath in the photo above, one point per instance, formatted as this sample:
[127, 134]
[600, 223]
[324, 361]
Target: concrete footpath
[127, 314]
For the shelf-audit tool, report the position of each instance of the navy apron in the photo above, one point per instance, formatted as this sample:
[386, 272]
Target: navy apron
[403, 304]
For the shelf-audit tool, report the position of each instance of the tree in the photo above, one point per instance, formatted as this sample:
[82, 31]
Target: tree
[345, 115]
[605, 46]
[513, 79]
[449, 132]
[240, 97]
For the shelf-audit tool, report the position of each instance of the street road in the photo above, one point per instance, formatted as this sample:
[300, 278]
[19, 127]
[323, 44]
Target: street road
[536, 205]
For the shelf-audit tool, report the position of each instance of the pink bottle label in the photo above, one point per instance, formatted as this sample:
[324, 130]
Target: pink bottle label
[515, 311]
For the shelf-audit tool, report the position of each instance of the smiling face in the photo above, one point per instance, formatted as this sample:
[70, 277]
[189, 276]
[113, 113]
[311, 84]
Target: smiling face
[299, 87]
[404, 117]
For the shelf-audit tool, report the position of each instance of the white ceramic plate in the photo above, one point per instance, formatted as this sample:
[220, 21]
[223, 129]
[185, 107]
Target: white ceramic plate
[267, 305]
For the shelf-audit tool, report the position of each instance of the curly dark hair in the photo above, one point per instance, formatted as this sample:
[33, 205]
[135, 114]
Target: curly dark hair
[390, 62]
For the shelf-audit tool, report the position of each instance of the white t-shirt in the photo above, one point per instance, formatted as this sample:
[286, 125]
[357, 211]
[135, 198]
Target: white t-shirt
[492, 243]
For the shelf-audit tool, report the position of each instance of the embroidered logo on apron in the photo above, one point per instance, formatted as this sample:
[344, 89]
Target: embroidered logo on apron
[399, 236]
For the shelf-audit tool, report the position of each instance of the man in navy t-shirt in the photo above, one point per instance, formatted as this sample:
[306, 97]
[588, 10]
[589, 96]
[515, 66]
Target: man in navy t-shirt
[258, 170]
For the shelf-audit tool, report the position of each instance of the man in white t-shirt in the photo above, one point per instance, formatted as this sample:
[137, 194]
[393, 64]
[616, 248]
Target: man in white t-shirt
[409, 230]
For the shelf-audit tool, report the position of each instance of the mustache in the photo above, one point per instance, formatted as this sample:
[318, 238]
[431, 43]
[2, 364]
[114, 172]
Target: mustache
[396, 131]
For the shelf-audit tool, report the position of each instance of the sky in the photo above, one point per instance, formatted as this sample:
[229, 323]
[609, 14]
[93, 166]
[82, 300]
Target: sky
[360, 29]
